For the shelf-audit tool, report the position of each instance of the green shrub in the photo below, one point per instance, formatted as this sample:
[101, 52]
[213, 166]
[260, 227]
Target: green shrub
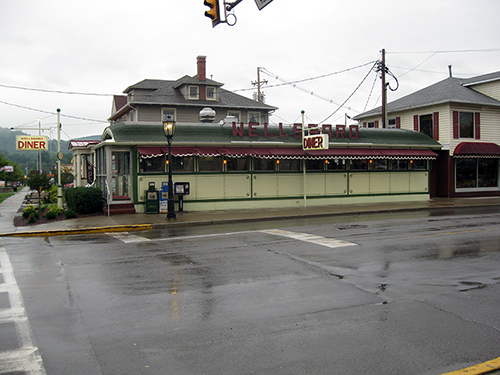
[56, 209]
[50, 215]
[84, 200]
[28, 210]
[69, 214]
[52, 194]
[34, 216]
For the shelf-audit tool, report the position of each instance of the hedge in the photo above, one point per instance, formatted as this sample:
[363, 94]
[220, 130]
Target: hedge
[84, 200]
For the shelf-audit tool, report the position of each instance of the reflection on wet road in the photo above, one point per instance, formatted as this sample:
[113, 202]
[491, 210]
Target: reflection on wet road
[378, 294]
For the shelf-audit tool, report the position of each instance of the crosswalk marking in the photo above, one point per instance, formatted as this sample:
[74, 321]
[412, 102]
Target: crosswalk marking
[25, 358]
[306, 237]
[128, 238]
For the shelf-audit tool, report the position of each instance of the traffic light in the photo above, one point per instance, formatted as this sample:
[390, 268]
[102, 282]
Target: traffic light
[214, 12]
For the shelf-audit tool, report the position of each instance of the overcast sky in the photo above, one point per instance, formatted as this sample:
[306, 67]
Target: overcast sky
[103, 46]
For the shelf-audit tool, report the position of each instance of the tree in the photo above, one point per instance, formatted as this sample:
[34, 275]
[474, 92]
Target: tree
[16, 175]
[39, 181]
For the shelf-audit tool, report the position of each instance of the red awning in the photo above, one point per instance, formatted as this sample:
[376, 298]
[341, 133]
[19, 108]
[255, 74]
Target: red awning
[289, 153]
[477, 150]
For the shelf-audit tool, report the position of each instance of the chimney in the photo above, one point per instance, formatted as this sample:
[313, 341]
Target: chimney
[201, 68]
[449, 70]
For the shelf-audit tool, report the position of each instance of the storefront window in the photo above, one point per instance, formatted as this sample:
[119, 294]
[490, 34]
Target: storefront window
[315, 165]
[336, 164]
[261, 165]
[420, 164]
[289, 165]
[466, 173]
[399, 165]
[152, 165]
[210, 164]
[182, 164]
[379, 164]
[487, 173]
[358, 165]
[237, 165]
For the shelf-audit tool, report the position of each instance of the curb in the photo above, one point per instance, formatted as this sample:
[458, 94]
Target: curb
[138, 227]
[60, 232]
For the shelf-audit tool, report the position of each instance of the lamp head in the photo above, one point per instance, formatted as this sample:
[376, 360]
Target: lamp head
[169, 127]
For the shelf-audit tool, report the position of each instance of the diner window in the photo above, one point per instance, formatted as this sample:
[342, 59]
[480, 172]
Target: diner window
[237, 164]
[420, 164]
[399, 165]
[152, 165]
[211, 93]
[336, 164]
[289, 165]
[379, 164]
[194, 92]
[466, 125]
[315, 165]
[182, 164]
[209, 164]
[426, 125]
[263, 165]
[358, 165]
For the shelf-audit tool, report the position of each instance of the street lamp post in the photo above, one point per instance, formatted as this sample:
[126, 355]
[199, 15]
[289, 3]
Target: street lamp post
[169, 129]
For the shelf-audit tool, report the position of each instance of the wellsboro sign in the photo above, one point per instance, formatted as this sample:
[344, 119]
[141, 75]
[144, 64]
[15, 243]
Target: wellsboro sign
[337, 131]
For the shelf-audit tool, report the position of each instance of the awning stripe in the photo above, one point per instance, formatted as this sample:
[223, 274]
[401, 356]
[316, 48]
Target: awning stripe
[289, 153]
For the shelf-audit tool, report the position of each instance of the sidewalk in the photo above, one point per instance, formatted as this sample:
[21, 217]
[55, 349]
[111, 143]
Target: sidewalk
[94, 224]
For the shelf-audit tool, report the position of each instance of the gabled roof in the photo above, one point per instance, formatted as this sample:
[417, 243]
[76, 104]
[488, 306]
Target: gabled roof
[490, 77]
[449, 90]
[166, 93]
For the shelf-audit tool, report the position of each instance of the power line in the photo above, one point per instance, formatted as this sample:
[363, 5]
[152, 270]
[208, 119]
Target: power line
[349, 97]
[54, 91]
[51, 113]
[450, 51]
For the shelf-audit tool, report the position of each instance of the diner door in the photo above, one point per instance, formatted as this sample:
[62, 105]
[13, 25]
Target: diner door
[120, 183]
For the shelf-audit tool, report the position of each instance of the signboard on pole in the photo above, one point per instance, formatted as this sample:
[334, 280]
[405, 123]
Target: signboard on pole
[31, 143]
[262, 3]
[7, 168]
[315, 142]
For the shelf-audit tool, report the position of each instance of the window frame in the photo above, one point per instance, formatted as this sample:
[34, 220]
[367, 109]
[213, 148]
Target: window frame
[472, 125]
[431, 116]
[214, 96]
[194, 97]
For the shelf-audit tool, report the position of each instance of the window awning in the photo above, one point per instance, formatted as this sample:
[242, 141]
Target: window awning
[477, 150]
[289, 153]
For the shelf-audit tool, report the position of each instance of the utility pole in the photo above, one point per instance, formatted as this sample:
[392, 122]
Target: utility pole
[259, 83]
[59, 158]
[384, 93]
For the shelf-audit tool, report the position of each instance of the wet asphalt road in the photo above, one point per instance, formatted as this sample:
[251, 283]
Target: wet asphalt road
[414, 293]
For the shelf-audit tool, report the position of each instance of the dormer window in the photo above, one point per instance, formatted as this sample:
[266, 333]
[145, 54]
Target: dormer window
[211, 93]
[194, 92]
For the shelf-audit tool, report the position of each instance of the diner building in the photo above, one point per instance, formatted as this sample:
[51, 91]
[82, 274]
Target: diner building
[250, 165]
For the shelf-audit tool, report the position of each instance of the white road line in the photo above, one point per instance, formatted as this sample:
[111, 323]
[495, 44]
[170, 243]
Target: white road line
[306, 237]
[26, 358]
[128, 238]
